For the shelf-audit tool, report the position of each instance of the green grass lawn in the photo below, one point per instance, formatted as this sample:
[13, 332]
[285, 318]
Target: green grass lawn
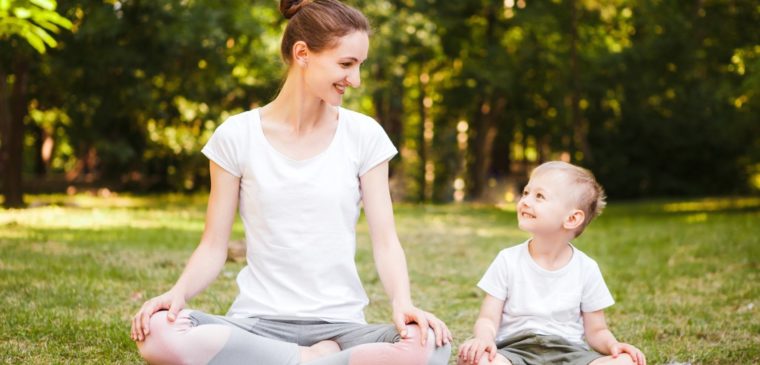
[685, 274]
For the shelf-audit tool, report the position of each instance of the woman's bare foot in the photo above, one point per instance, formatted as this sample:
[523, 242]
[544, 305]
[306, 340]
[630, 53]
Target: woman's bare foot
[318, 350]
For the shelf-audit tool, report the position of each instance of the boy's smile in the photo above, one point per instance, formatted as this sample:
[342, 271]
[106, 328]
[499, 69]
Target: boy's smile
[525, 214]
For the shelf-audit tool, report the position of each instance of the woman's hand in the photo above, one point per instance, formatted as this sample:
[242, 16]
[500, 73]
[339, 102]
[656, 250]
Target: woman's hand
[170, 300]
[410, 314]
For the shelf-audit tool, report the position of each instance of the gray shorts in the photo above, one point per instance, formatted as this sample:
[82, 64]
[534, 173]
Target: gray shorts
[265, 340]
[304, 332]
[531, 349]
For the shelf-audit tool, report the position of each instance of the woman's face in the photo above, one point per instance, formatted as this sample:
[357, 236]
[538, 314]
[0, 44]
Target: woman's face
[329, 73]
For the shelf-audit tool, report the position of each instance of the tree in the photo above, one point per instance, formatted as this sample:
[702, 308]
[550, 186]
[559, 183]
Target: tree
[471, 92]
[32, 21]
[167, 72]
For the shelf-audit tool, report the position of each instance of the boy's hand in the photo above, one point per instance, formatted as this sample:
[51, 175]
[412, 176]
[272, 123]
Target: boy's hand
[636, 354]
[473, 349]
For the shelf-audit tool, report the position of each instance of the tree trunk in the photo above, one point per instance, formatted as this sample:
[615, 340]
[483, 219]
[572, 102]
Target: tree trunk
[484, 125]
[580, 126]
[13, 144]
[5, 126]
[421, 140]
[388, 102]
[501, 156]
[389, 108]
[486, 132]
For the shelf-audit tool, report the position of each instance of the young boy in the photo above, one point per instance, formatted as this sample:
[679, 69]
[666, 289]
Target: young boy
[544, 295]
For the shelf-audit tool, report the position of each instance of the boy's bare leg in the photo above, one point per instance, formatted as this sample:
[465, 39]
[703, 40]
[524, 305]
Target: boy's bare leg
[498, 360]
[623, 359]
[318, 350]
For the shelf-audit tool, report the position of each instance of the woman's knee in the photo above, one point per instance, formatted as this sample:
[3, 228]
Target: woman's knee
[162, 345]
[429, 353]
[407, 351]
[440, 355]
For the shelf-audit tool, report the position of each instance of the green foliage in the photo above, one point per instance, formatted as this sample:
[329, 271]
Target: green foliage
[32, 20]
[166, 74]
[658, 98]
[684, 274]
[685, 113]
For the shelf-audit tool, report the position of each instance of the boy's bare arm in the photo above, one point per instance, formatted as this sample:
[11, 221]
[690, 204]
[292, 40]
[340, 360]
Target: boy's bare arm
[603, 341]
[489, 318]
[597, 334]
[486, 327]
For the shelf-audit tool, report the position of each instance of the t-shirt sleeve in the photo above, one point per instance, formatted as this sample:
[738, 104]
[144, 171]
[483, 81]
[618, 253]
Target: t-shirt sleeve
[222, 148]
[596, 295]
[495, 281]
[376, 147]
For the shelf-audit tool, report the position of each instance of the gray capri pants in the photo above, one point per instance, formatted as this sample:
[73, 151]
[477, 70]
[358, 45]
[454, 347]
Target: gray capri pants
[276, 340]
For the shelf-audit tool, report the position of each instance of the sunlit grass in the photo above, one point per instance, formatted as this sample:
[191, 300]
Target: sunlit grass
[74, 269]
[708, 205]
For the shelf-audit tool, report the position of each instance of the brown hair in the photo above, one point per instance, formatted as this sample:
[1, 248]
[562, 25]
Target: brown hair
[319, 23]
[588, 194]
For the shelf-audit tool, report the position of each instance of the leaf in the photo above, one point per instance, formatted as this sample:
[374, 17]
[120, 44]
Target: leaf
[52, 17]
[45, 4]
[33, 40]
[11, 26]
[45, 36]
[22, 13]
[47, 25]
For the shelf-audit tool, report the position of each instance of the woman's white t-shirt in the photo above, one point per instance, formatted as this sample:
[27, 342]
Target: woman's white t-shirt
[300, 217]
[541, 301]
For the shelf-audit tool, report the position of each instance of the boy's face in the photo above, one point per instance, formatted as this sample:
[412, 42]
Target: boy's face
[546, 203]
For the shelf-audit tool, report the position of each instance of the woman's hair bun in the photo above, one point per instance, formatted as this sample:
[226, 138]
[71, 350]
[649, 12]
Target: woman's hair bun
[289, 8]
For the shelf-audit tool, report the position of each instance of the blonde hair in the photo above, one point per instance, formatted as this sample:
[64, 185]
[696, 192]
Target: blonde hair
[589, 194]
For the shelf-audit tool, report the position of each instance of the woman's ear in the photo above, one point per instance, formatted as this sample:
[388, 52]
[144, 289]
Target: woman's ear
[301, 53]
[574, 220]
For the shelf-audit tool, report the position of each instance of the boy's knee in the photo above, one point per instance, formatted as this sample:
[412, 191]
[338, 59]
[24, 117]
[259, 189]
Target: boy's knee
[501, 360]
[622, 359]
[498, 360]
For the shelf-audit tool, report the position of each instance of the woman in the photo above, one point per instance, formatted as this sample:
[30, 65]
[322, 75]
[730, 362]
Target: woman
[298, 169]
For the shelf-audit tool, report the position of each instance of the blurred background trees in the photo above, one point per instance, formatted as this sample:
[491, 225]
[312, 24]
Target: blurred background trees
[23, 25]
[658, 98]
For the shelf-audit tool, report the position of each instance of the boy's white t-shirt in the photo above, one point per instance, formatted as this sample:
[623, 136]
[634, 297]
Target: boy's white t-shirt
[541, 301]
[300, 217]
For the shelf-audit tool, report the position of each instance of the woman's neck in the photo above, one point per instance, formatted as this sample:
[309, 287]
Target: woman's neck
[296, 108]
